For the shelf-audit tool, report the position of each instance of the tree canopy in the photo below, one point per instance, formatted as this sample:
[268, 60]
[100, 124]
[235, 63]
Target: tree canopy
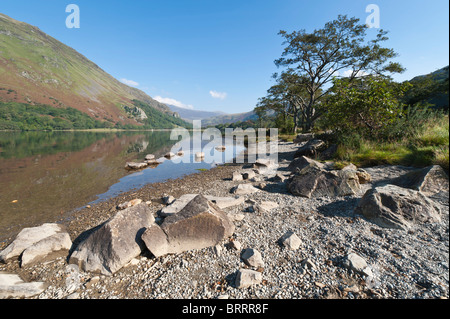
[340, 49]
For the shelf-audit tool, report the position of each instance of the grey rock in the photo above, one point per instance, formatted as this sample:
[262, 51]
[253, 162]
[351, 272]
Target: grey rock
[312, 148]
[247, 278]
[290, 241]
[198, 225]
[392, 206]
[252, 258]
[300, 163]
[244, 189]
[180, 203]
[248, 174]
[357, 263]
[168, 200]
[303, 138]
[264, 206]
[237, 176]
[114, 243]
[314, 182]
[134, 165]
[429, 180]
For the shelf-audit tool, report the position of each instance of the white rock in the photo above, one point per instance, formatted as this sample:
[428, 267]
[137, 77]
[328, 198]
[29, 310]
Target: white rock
[357, 263]
[12, 286]
[265, 206]
[236, 245]
[28, 237]
[244, 189]
[59, 243]
[252, 258]
[237, 176]
[246, 278]
[290, 241]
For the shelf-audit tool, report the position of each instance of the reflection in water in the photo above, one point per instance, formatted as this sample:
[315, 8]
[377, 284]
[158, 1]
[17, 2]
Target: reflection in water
[44, 175]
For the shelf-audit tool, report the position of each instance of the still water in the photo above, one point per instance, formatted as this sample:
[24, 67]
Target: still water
[45, 175]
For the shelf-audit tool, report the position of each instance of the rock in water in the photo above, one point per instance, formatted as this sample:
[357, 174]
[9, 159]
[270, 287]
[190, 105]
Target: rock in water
[392, 206]
[313, 182]
[114, 243]
[198, 225]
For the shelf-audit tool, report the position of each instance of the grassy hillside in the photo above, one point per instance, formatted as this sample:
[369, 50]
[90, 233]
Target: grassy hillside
[27, 117]
[38, 69]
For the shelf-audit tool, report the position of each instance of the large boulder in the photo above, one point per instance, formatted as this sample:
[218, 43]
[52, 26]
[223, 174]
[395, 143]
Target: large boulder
[391, 206]
[198, 225]
[312, 148]
[29, 237]
[177, 205]
[314, 181]
[430, 180]
[303, 138]
[114, 243]
[301, 162]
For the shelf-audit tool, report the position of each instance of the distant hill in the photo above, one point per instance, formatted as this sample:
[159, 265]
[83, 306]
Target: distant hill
[431, 88]
[229, 118]
[37, 69]
[191, 115]
[212, 118]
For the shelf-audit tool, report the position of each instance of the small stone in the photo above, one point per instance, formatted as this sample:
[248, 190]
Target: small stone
[290, 241]
[236, 245]
[252, 258]
[357, 263]
[217, 250]
[248, 174]
[236, 217]
[244, 189]
[237, 176]
[246, 278]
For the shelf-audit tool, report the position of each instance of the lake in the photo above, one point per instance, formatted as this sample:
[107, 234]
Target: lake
[46, 175]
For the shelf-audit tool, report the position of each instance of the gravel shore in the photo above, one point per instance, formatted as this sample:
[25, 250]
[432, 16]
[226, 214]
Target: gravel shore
[405, 264]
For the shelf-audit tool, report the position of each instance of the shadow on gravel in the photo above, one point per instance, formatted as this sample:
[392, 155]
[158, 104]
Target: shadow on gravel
[341, 208]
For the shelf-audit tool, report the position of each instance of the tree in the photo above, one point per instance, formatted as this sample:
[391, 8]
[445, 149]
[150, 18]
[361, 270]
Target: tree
[287, 98]
[339, 49]
[367, 105]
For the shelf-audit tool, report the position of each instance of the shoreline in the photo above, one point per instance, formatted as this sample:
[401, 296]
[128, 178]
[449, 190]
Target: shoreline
[403, 262]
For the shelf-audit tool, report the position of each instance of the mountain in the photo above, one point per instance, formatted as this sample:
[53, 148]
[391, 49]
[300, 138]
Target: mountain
[191, 115]
[36, 69]
[230, 118]
[431, 89]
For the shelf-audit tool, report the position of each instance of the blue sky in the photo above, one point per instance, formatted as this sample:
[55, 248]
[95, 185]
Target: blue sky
[217, 55]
